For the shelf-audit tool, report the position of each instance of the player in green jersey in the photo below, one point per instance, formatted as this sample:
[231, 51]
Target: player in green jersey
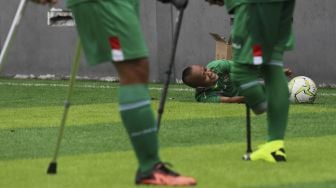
[110, 32]
[259, 35]
[212, 83]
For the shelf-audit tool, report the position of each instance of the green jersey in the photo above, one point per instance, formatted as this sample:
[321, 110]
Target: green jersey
[223, 86]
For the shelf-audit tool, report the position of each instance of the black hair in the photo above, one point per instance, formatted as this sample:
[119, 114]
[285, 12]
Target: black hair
[185, 73]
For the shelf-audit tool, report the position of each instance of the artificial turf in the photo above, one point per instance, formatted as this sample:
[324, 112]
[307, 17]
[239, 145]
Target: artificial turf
[203, 140]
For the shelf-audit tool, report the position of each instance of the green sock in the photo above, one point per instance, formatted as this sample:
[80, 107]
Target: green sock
[139, 121]
[278, 103]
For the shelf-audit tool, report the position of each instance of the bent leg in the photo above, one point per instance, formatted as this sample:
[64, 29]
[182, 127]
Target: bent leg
[247, 78]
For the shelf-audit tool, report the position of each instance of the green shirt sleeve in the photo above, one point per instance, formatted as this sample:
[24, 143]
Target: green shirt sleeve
[220, 66]
[207, 95]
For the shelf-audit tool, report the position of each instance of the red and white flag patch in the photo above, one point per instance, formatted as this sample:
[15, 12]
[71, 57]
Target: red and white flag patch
[257, 54]
[117, 53]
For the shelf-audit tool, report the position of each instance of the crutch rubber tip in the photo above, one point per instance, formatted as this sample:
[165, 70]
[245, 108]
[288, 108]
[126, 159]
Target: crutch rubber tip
[52, 169]
[246, 157]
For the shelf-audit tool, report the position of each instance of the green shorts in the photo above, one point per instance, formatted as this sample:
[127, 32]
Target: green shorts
[110, 30]
[262, 32]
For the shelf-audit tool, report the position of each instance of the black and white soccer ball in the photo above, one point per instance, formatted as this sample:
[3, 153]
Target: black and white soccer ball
[302, 90]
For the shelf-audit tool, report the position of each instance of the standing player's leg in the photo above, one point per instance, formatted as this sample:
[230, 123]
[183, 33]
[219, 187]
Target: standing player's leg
[277, 97]
[136, 112]
[276, 82]
[277, 113]
[116, 35]
[264, 22]
[138, 118]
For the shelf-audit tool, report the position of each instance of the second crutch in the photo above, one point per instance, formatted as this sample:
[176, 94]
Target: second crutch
[171, 62]
[12, 31]
[52, 169]
[248, 134]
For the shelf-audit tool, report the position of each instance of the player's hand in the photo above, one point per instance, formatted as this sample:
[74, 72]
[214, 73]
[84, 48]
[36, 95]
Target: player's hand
[235, 99]
[179, 4]
[43, 2]
[216, 2]
[288, 72]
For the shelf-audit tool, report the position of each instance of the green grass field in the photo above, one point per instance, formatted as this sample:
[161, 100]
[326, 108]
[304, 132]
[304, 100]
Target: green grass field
[202, 140]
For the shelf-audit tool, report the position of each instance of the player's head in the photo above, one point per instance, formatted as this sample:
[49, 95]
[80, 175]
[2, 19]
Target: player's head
[198, 76]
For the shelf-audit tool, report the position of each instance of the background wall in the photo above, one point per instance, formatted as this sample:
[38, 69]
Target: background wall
[40, 50]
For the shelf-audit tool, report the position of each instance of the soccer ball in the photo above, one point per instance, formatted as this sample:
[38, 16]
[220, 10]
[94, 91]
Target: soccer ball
[302, 90]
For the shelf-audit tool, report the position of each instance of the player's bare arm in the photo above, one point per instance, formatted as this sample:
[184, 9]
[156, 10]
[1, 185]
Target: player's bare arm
[235, 99]
[288, 72]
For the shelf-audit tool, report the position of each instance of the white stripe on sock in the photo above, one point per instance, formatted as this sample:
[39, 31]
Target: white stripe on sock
[276, 63]
[131, 106]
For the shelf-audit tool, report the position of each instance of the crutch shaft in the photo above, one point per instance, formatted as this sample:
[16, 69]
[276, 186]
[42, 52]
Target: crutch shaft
[171, 63]
[75, 65]
[12, 30]
[248, 130]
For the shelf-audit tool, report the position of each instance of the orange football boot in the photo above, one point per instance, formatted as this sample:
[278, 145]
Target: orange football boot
[161, 175]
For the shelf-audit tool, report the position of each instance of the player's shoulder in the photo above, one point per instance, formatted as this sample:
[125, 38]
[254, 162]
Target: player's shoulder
[219, 65]
[219, 61]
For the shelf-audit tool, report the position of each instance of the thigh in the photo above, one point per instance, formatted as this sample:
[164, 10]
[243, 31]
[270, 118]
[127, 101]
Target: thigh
[241, 35]
[110, 30]
[257, 30]
[244, 73]
[250, 45]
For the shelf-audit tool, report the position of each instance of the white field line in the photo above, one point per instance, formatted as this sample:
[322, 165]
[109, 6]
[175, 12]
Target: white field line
[327, 94]
[94, 86]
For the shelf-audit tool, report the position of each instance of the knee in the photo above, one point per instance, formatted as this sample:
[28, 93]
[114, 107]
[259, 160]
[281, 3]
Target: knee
[260, 108]
[255, 96]
[133, 72]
